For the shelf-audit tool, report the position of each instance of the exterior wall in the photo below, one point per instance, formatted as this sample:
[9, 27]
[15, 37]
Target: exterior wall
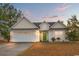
[57, 33]
[44, 26]
[24, 36]
[24, 24]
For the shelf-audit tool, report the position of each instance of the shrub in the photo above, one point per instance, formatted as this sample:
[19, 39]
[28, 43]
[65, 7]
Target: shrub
[58, 38]
[53, 39]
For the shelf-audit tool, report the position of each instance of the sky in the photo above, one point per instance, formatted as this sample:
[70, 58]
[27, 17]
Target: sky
[48, 11]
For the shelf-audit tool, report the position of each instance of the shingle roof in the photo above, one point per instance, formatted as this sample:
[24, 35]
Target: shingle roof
[38, 23]
[51, 23]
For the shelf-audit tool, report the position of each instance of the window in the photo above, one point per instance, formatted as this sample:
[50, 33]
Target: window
[58, 33]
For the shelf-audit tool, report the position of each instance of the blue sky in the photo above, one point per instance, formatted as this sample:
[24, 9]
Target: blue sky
[48, 11]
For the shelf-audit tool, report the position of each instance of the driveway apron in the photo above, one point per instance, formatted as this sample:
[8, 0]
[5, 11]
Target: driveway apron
[12, 49]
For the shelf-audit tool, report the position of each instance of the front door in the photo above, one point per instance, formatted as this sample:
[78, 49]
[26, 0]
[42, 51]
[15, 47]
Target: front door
[44, 35]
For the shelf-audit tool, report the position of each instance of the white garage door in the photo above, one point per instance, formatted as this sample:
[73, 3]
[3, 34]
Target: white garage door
[25, 36]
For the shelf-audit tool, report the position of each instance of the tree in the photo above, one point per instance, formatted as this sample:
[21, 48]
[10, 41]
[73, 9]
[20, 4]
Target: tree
[73, 29]
[8, 17]
[9, 14]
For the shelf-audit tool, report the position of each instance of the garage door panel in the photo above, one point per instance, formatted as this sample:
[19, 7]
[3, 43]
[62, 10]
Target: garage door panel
[24, 36]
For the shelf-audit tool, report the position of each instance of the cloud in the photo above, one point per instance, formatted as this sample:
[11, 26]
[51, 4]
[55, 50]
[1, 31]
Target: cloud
[62, 8]
[49, 16]
[52, 18]
[58, 10]
[27, 13]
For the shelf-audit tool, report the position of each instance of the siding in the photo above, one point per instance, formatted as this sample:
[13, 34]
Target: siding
[57, 33]
[58, 25]
[44, 26]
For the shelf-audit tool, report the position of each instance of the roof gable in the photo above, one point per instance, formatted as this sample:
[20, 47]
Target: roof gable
[44, 26]
[44, 23]
[58, 25]
[24, 24]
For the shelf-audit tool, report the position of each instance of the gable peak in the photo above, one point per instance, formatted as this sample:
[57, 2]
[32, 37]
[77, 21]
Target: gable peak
[59, 21]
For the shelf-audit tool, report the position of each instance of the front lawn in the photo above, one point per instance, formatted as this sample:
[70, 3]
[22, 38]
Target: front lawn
[52, 49]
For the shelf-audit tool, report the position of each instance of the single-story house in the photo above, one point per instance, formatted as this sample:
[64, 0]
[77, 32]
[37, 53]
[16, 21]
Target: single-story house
[27, 31]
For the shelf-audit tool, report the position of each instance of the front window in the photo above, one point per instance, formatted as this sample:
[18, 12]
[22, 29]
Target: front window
[58, 33]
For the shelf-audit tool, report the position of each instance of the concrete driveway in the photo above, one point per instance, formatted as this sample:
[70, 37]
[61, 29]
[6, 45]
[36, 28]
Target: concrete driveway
[12, 49]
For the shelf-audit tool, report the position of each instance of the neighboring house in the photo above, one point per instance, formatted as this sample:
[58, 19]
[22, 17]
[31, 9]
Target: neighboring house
[26, 31]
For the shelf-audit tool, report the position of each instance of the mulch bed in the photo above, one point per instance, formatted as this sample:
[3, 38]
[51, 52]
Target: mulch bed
[52, 49]
[2, 41]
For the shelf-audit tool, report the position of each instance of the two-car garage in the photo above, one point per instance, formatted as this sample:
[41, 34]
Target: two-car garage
[24, 36]
[24, 31]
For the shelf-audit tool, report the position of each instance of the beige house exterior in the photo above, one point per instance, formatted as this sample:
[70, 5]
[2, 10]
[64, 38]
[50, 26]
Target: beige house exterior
[27, 31]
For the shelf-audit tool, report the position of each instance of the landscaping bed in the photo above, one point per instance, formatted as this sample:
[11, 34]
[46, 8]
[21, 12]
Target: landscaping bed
[3, 41]
[52, 49]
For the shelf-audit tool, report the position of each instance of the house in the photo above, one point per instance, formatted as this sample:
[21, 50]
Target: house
[26, 31]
